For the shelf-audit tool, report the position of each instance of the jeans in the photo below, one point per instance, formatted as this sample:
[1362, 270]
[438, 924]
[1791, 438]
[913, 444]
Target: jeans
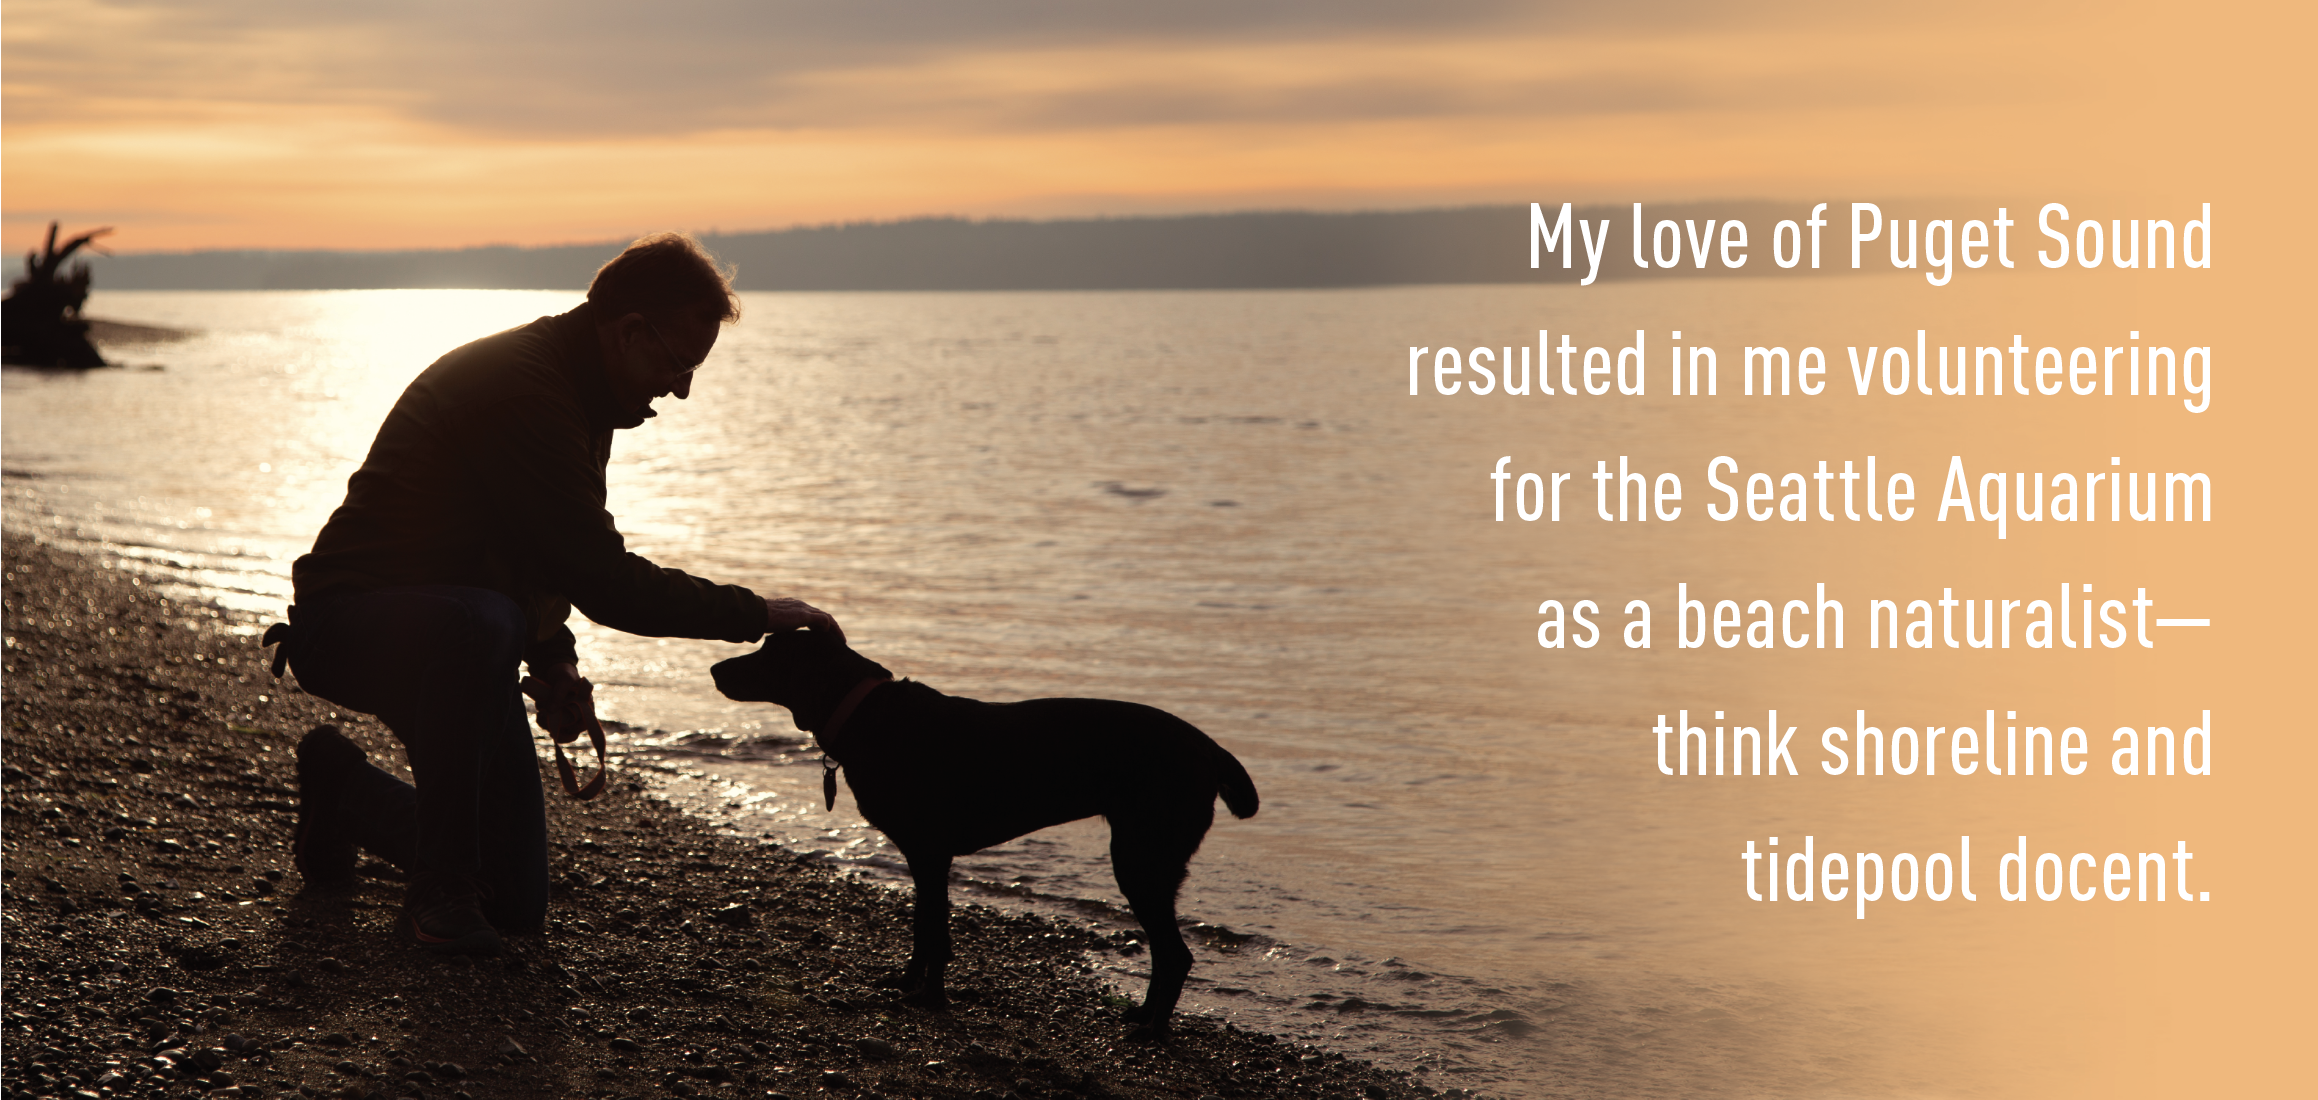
[438, 664]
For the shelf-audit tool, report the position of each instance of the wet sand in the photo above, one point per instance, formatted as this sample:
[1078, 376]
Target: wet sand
[159, 943]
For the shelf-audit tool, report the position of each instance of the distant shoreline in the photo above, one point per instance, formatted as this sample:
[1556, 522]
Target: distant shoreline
[108, 333]
[1238, 251]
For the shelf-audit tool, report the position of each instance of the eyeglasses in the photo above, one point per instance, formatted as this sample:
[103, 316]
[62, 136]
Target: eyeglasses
[673, 359]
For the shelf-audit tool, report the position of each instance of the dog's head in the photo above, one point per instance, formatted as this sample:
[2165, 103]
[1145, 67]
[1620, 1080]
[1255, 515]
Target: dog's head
[807, 671]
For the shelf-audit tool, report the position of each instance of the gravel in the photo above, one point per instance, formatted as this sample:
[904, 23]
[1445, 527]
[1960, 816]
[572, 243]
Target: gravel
[159, 943]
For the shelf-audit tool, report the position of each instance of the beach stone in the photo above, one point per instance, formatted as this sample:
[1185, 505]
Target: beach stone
[348, 1068]
[979, 1055]
[512, 1049]
[735, 915]
[876, 1048]
[209, 1058]
[626, 1046]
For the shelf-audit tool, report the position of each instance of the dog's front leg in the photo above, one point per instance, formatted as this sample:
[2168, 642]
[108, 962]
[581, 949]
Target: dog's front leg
[930, 931]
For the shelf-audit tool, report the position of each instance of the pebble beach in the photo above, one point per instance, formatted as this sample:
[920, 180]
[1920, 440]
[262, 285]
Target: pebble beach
[158, 942]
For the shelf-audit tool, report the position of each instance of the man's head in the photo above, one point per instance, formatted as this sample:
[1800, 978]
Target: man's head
[658, 307]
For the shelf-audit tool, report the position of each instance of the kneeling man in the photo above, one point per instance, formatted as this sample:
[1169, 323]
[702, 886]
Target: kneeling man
[474, 526]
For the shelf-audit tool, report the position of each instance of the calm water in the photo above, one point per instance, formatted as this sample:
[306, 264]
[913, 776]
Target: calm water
[1224, 504]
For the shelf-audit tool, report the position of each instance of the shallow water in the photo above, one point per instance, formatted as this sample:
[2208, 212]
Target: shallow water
[1221, 503]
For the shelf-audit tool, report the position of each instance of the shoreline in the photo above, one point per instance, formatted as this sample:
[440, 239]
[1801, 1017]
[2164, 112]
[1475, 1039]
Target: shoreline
[105, 332]
[150, 905]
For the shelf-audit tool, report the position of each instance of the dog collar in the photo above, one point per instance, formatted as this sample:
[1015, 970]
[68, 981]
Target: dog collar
[852, 700]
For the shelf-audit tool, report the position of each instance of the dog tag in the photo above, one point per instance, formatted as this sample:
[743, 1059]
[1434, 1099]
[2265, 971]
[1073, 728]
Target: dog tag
[829, 786]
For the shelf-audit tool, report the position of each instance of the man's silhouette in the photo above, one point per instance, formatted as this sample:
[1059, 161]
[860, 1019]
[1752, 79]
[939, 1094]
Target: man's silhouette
[474, 526]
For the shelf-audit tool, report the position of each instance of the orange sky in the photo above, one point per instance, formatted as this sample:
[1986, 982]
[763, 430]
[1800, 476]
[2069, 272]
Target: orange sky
[295, 126]
[270, 123]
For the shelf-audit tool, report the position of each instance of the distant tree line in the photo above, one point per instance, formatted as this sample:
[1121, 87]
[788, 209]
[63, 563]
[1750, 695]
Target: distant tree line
[1479, 244]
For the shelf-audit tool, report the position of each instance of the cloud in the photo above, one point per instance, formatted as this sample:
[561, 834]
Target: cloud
[267, 122]
[595, 67]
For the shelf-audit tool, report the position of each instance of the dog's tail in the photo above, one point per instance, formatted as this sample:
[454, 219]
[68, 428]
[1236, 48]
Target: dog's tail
[1231, 780]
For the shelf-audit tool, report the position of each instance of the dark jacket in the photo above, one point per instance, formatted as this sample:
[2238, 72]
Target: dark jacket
[489, 473]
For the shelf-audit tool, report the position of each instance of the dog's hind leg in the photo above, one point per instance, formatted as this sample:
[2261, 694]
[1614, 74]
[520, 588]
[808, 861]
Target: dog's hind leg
[1150, 867]
[929, 955]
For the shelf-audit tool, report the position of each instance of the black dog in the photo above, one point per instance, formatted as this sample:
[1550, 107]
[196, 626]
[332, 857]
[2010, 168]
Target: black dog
[943, 776]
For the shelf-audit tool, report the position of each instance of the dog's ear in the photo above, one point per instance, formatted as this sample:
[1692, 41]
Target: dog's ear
[826, 649]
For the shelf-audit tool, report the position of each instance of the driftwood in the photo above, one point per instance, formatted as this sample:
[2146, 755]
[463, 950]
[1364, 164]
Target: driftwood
[40, 321]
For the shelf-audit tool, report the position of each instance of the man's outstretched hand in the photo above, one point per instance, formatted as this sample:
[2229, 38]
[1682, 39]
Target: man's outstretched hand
[566, 701]
[783, 613]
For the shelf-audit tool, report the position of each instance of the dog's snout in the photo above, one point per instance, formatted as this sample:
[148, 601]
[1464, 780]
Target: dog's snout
[727, 675]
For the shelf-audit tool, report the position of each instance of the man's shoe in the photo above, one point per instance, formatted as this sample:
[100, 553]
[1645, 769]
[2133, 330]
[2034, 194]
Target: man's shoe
[444, 914]
[321, 849]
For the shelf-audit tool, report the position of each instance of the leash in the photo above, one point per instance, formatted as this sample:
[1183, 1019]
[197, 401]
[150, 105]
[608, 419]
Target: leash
[570, 779]
[284, 635]
[532, 686]
[279, 635]
[836, 722]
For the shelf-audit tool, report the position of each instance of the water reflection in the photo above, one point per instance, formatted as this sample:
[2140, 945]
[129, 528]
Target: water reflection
[1219, 503]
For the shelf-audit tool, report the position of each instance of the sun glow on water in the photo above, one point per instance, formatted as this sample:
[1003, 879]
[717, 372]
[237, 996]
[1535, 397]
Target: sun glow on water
[222, 454]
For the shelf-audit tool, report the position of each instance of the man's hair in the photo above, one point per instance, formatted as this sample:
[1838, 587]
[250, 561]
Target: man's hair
[663, 274]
